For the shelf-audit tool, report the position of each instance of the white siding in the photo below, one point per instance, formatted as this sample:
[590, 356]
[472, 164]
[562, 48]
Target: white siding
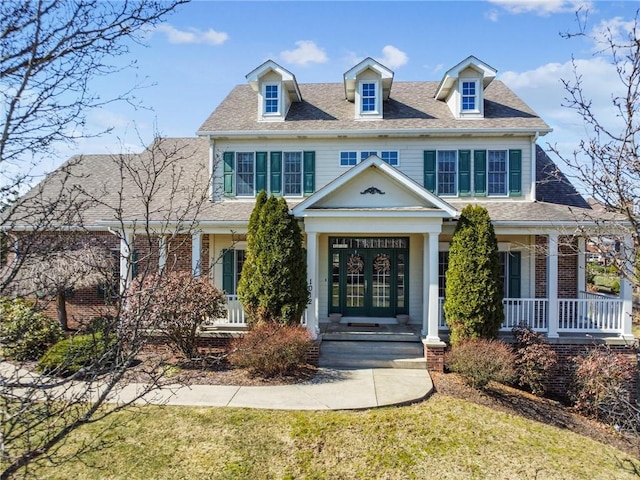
[411, 158]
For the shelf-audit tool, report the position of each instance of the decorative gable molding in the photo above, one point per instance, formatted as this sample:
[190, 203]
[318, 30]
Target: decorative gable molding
[368, 85]
[276, 87]
[462, 87]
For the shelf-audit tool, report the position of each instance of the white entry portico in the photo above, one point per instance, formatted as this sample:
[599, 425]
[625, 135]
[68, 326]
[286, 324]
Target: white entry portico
[374, 211]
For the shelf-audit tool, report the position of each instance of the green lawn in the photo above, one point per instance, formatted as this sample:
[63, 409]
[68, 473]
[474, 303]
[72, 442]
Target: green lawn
[441, 438]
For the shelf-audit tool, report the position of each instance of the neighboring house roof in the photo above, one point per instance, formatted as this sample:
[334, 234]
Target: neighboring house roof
[411, 108]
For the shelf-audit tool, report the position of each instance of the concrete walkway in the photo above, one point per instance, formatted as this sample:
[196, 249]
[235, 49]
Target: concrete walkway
[331, 389]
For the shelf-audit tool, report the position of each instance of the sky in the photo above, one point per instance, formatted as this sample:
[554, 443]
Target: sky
[194, 59]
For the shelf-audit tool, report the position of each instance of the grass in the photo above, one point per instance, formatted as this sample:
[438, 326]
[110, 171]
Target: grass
[443, 437]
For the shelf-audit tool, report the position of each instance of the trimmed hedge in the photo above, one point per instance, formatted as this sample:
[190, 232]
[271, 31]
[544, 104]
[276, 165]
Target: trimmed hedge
[71, 355]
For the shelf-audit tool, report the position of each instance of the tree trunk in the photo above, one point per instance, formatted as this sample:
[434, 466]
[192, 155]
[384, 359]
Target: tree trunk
[61, 305]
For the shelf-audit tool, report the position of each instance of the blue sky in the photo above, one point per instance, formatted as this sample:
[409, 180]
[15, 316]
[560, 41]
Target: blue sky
[194, 59]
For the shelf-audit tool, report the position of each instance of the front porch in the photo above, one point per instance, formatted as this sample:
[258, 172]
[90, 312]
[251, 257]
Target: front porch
[591, 313]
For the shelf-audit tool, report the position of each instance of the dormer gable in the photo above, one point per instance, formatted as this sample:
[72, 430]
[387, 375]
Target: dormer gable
[368, 85]
[462, 87]
[277, 88]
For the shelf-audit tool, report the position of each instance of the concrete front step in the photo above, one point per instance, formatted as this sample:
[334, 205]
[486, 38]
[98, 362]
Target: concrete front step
[354, 354]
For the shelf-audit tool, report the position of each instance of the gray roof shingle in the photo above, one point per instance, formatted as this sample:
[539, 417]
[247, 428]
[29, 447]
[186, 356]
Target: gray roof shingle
[412, 106]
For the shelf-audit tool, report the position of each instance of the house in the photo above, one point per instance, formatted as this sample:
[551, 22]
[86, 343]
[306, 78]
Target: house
[377, 171]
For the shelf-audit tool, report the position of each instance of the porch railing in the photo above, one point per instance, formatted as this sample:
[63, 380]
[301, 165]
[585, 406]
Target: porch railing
[592, 313]
[235, 315]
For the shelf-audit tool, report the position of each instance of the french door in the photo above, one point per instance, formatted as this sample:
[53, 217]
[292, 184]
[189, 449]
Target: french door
[368, 281]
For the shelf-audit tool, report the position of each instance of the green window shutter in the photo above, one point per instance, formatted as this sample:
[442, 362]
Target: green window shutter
[464, 173]
[276, 173]
[309, 169]
[261, 171]
[480, 172]
[430, 170]
[134, 263]
[228, 159]
[515, 173]
[513, 286]
[227, 272]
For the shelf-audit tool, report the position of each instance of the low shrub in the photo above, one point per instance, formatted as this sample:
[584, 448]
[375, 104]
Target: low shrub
[535, 359]
[25, 333]
[479, 361]
[271, 349]
[602, 388]
[71, 355]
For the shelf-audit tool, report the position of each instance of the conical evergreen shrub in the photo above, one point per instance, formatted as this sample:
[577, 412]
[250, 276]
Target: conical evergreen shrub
[474, 290]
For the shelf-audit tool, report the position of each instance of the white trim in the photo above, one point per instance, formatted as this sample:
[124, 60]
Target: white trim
[443, 209]
[552, 285]
[196, 252]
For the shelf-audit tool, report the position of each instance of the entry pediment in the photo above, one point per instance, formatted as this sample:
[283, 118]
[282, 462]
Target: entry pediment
[376, 186]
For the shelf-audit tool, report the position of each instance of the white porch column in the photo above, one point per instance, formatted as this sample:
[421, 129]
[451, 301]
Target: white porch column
[430, 306]
[582, 265]
[162, 253]
[626, 288]
[196, 252]
[312, 280]
[126, 243]
[552, 284]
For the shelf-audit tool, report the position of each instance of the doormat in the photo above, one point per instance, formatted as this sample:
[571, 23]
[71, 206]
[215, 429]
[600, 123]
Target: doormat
[363, 324]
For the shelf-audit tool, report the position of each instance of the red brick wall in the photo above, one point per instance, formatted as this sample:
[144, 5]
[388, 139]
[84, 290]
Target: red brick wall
[541, 266]
[435, 358]
[560, 382]
[567, 267]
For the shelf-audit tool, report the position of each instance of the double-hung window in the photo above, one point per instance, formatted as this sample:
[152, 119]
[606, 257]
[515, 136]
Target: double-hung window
[447, 172]
[368, 96]
[497, 172]
[469, 96]
[271, 99]
[245, 174]
[292, 172]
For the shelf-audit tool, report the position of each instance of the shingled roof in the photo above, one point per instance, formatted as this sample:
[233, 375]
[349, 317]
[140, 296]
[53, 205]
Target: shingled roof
[552, 186]
[411, 107]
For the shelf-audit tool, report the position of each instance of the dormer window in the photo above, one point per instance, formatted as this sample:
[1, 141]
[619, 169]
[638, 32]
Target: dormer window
[271, 99]
[368, 85]
[277, 89]
[469, 96]
[368, 97]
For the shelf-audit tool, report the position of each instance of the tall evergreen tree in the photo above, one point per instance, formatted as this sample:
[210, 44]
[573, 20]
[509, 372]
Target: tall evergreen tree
[474, 291]
[273, 285]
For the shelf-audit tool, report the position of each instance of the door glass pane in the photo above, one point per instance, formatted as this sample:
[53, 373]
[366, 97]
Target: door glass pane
[381, 281]
[355, 281]
[335, 280]
[400, 279]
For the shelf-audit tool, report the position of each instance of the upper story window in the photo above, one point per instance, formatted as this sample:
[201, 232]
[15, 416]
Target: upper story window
[497, 172]
[368, 97]
[271, 99]
[279, 173]
[245, 174]
[447, 172]
[390, 157]
[469, 95]
[349, 159]
[292, 173]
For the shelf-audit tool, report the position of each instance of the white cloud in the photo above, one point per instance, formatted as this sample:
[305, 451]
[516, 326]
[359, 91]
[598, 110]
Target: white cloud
[615, 30]
[306, 52]
[542, 90]
[541, 7]
[393, 57]
[492, 15]
[192, 35]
